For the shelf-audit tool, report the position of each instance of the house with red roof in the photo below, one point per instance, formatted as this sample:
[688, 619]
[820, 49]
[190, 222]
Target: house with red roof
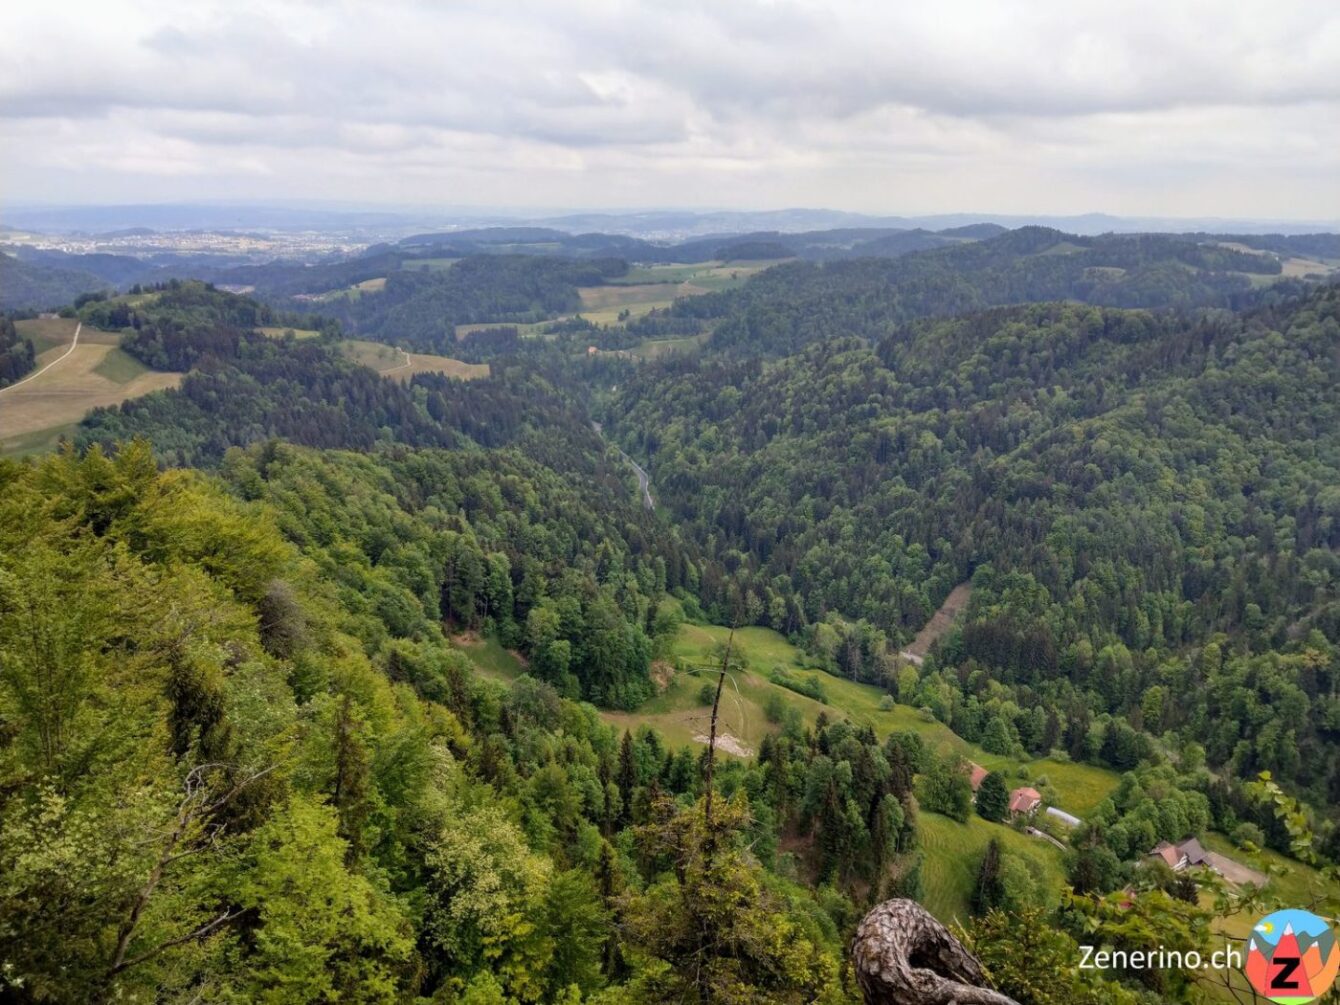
[1025, 801]
[975, 775]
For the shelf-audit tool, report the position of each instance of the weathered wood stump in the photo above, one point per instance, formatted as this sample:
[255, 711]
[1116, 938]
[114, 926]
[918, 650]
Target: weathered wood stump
[904, 956]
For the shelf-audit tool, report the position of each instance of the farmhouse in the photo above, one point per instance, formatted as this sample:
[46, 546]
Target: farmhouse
[975, 775]
[1025, 801]
[1190, 853]
[1179, 856]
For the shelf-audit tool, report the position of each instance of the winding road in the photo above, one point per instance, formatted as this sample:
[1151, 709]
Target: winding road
[643, 479]
[74, 342]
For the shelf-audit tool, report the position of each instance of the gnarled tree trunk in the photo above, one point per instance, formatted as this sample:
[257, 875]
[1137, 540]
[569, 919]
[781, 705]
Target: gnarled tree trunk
[904, 956]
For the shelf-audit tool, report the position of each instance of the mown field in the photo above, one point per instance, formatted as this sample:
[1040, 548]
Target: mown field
[525, 330]
[642, 290]
[36, 413]
[705, 276]
[392, 362]
[953, 853]
[299, 333]
[352, 292]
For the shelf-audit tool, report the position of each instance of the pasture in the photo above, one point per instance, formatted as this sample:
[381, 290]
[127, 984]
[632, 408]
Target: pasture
[677, 713]
[424, 264]
[656, 348]
[702, 276]
[392, 362]
[953, 851]
[534, 329]
[299, 333]
[36, 413]
[352, 292]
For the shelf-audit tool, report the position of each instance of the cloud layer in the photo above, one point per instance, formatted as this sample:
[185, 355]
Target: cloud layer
[1174, 108]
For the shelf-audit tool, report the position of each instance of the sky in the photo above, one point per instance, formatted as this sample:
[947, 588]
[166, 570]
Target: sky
[1138, 107]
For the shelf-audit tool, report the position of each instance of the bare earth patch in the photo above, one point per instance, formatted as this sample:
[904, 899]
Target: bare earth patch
[662, 673]
[939, 623]
[727, 743]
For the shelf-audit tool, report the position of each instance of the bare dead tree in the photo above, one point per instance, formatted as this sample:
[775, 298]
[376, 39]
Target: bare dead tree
[189, 833]
[903, 956]
[712, 736]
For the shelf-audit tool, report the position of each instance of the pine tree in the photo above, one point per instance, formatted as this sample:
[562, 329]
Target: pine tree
[993, 799]
[990, 889]
[627, 777]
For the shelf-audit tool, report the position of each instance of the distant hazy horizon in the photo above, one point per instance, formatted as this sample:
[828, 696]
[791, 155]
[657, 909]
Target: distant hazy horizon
[56, 218]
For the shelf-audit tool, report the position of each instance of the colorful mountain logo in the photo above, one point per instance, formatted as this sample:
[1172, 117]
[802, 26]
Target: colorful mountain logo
[1292, 957]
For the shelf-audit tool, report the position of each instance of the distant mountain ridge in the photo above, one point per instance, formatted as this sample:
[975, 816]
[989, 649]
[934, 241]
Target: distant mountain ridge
[660, 224]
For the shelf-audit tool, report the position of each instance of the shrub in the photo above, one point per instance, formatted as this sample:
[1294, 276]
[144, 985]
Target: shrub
[1248, 833]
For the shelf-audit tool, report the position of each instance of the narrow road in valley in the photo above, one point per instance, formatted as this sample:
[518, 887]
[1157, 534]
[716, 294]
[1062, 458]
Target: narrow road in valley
[32, 376]
[643, 479]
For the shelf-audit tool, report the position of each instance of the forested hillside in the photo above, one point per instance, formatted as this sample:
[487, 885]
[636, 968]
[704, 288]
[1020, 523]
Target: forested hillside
[25, 286]
[245, 386]
[790, 305]
[1118, 486]
[422, 309]
[242, 762]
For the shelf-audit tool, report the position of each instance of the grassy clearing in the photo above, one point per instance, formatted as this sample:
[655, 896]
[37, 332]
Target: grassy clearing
[656, 348]
[603, 305]
[436, 264]
[677, 713]
[1297, 268]
[704, 275]
[377, 355]
[120, 367]
[491, 658]
[1295, 884]
[596, 297]
[35, 414]
[662, 286]
[641, 274]
[525, 330]
[393, 362]
[40, 442]
[424, 363]
[299, 333]
[47, 334]
[954, 852]
[611, 315]
[1078, 788]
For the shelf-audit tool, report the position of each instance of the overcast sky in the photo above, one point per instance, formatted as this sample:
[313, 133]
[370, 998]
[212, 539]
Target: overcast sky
[1223, 107]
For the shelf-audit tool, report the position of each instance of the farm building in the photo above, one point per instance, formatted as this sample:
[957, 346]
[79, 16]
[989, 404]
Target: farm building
[1025, 801]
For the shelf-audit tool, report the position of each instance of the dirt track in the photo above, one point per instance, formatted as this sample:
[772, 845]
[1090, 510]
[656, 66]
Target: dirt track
[940, 622]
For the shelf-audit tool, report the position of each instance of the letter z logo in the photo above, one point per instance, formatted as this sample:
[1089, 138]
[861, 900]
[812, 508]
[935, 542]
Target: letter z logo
[1283, 968]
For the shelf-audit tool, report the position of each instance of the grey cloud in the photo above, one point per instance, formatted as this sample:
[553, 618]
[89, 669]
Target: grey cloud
[696, 93]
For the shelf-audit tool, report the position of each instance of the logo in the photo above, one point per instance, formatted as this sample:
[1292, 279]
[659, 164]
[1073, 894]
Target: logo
[1291, 957]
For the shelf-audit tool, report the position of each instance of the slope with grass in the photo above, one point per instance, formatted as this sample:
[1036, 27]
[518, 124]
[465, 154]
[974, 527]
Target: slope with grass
[953, 850]
[402, 365]
[953, 853]
[94, 373]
